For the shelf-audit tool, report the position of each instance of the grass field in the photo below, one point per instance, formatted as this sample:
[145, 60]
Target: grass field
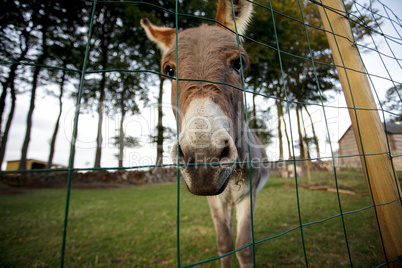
[136, 227]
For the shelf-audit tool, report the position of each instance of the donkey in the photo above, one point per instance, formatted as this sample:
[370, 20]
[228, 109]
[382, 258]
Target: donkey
[215, 141]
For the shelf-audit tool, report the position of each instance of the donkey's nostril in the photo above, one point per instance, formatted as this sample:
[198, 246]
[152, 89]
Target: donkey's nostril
[181, 154]
[183, 158]
[225, 151]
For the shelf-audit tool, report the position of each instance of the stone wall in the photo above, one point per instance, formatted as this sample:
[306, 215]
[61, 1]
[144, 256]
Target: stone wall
[90, 179]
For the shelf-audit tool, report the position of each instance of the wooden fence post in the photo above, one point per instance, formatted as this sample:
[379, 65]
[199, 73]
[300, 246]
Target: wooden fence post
[367, 127]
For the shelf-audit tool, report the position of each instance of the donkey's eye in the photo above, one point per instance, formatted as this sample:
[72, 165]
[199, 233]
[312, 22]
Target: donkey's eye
[170, 71]
[236, 65]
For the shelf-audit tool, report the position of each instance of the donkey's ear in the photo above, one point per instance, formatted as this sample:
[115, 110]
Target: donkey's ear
[162, 36]
[242, 10]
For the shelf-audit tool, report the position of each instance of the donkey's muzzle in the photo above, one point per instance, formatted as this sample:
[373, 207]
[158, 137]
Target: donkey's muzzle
[206, 162]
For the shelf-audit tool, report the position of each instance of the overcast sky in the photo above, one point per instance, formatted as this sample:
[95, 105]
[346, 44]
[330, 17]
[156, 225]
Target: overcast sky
[46, 112]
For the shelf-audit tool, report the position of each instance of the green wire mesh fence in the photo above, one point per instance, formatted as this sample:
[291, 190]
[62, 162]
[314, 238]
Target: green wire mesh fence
[292, 68]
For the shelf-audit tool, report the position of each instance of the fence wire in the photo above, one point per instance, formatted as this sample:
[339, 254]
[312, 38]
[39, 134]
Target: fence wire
[375, 43]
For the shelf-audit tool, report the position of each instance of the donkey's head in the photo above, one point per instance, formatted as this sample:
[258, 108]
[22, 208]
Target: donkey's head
[210, 111]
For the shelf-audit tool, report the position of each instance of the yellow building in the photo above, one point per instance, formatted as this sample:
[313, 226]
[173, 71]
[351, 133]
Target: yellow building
[31, 164]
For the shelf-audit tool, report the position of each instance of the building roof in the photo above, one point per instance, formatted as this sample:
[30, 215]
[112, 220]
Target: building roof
[392, 128]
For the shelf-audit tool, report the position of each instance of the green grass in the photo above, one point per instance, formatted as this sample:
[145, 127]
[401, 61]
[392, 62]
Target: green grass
[136, 227]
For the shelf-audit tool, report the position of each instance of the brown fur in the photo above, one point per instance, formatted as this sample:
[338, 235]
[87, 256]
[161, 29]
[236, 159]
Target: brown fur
[211, 61]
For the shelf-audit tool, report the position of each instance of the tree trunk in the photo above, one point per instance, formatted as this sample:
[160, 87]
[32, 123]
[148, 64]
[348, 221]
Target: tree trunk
[301, 145]
[305, 138]
[3, 104]
[24, 151]
[282, 165]
[8, 124]
[121, 139]
[99, 139]
[40, 61]
[280, 137]
[287, 137]
[121, 130]
[159, 139]
[105, 42]
[74, 132]
[56, 128]
[307, 146]
[7, 84]
[289, 148]
[317, 146]
[301, 140]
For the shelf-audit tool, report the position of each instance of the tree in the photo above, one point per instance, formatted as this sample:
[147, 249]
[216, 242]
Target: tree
[44, 22]
[66, 51]
[60, 77]
[118, 43]
[107, 25]
[294, 65]
[159, 127]
[287, 74]
[16, 40]
[51, 16]
[315, 138]
[393, 103]
[123, 141]
[56, 128]
[257, 121]
[127, 91]
[30, 31]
